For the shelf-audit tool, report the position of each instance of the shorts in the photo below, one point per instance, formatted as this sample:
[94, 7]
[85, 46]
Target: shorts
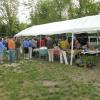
[26, 50]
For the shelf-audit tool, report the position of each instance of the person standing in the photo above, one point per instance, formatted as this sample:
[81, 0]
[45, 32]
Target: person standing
[26, 48]
[34, 46]
[50, 47]
[34, 43]
[30, 48]
[17, 44]
[4, 42]
[11, 48]
[77, 44]
[2, 47]
[63, 44]
[41, 42]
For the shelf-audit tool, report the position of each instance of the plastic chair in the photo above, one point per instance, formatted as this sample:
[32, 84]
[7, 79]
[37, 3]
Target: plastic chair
[57, 53]
[43, 52]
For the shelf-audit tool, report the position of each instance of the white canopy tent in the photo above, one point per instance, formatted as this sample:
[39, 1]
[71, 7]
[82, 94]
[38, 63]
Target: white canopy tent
[79, 25]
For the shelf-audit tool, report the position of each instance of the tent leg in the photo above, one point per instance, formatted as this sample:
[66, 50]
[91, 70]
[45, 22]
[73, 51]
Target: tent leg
[98, 38]
[40, 40]
[72, 51]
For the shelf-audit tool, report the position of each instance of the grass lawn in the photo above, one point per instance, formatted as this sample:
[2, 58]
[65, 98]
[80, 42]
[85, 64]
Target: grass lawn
[35, 80]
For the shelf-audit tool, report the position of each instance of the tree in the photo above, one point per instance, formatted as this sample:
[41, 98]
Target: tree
[84, 8]
[49, 11]
[9, 10]
[61, 6]
[22, 26]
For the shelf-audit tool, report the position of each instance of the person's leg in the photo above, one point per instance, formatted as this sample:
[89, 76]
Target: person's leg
[24, 53]
[13, 56]
[25, 56]
[61, 57]
[27, 53]
[10, 56]
[49, 55]
[52, 55]
[1, 57]
[65, 57]
[30, 52]
[17, 54]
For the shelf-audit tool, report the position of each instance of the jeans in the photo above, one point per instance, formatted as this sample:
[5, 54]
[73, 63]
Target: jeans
[1, 57]
[12, 56]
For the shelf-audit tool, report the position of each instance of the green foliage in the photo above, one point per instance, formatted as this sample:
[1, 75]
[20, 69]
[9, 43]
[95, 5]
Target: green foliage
[57, 10]
[49, 11]
[84, 8]
[22, 26]
[9, 21]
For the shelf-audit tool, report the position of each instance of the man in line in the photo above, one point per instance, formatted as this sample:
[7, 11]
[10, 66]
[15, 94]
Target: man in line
[50, 47]
[2, 47]
[26, 48]
[63, 44]
[18, 44]
[11, 48]
[30, 48]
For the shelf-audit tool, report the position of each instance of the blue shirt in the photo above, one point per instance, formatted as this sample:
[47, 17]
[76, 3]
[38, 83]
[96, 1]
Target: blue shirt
[30, 43]
[26, 44]
[4, 43]
[2, 47]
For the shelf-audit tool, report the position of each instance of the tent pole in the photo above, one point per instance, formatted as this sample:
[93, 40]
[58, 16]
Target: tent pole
[72, 51]
[98, 38]
[89, 40]
[40, 40]
[21, 46]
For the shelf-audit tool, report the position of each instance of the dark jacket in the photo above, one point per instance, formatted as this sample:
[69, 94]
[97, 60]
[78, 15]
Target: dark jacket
[17, 44]
[49, 44]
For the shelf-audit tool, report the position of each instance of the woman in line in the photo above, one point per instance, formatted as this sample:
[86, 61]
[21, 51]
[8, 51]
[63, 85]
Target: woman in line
[2, 47]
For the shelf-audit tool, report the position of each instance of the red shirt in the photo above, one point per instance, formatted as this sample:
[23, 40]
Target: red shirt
[40, 43]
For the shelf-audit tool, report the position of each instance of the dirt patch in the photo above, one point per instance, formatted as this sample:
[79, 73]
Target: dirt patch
[11, 65]
[87, 76]
[3, 94]
[48, 83]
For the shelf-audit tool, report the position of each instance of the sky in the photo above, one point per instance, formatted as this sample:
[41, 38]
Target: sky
[23, 14]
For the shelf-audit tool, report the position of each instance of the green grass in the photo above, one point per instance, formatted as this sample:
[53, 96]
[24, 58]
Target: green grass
[34, 80]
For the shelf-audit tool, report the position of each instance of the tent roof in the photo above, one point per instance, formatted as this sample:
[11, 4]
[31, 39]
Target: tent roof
[79, 25]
